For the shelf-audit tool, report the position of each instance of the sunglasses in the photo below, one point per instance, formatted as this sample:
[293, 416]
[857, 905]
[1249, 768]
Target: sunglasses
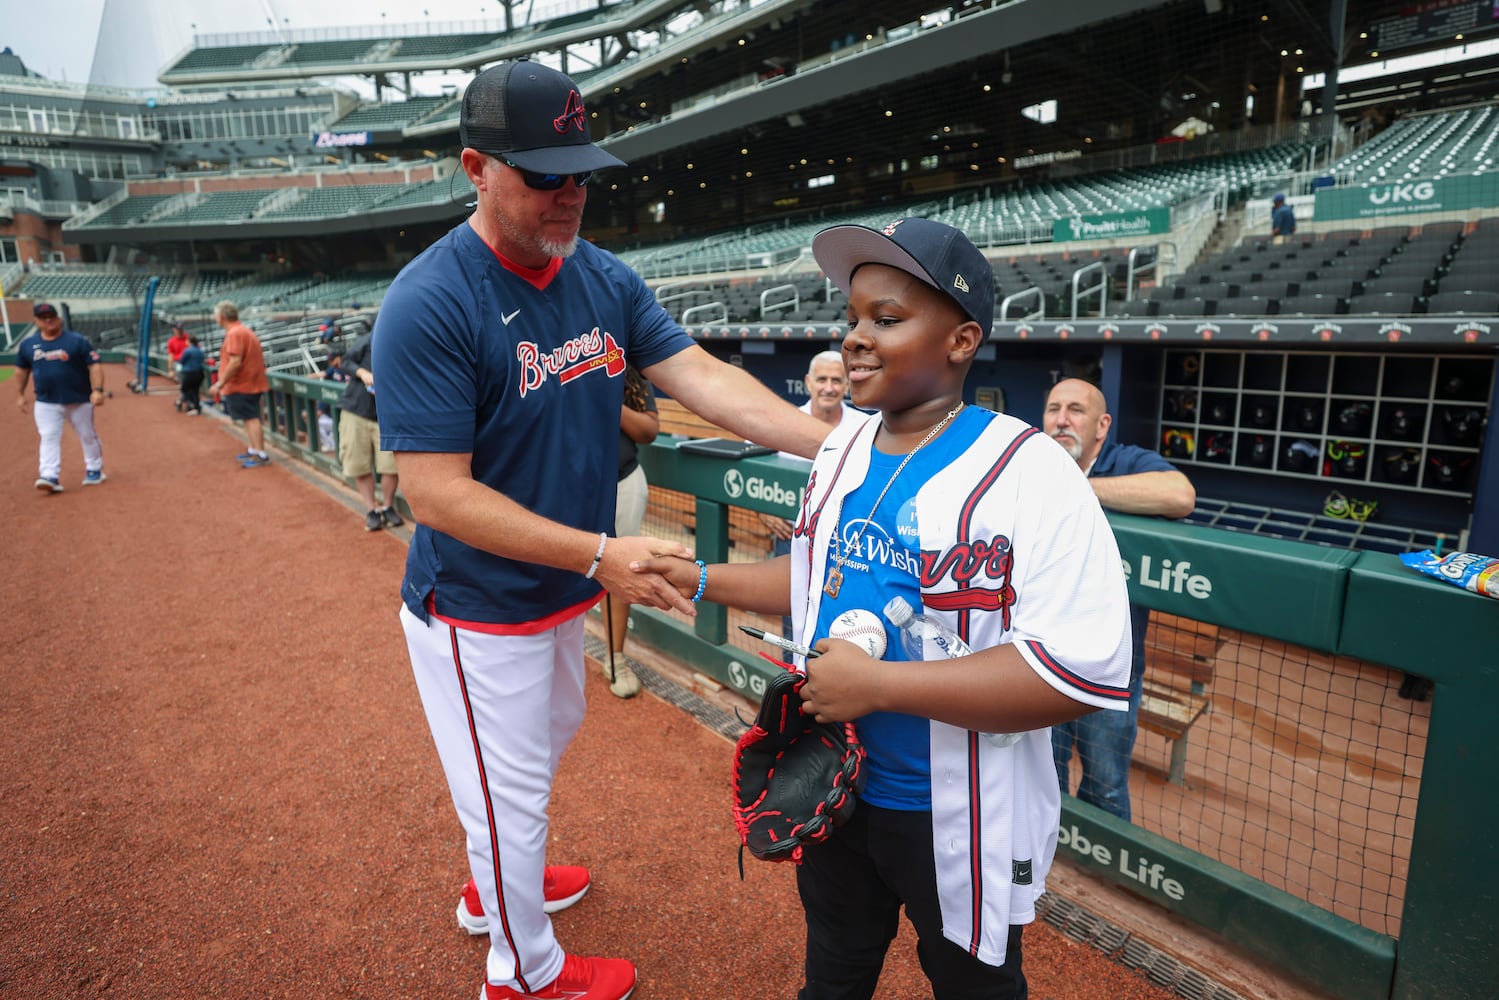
[547, 182]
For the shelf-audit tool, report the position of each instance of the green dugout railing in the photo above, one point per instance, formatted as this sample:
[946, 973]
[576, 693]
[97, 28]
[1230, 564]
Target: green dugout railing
[1360, 604]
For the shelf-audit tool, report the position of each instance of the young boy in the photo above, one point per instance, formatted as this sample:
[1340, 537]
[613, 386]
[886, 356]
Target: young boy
[973, 517]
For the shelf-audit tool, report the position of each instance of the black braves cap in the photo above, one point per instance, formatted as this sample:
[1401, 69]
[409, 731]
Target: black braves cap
[44, 309]
[533, 116]
[938, 254]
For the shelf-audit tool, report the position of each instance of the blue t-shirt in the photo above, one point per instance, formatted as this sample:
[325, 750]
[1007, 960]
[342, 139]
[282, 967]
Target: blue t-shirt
[1127, 460]
[1283, 220]
[885, 562]
[191, 359]
[59, 367]
[472, 357]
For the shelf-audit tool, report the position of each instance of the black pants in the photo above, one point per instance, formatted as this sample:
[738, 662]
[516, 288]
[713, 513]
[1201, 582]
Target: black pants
[853, 886]
[191, 381]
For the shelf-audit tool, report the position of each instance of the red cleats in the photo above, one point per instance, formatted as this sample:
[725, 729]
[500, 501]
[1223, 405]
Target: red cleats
[561, 887]
[580, 979]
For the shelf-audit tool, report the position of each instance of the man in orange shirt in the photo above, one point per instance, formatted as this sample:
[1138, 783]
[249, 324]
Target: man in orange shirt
[241, 380]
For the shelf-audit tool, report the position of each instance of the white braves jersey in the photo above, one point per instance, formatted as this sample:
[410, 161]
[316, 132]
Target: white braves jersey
[1014, 549]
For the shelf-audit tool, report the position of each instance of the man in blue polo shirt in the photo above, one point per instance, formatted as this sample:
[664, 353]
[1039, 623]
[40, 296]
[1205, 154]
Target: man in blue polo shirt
[64, 368]
[1131, 480]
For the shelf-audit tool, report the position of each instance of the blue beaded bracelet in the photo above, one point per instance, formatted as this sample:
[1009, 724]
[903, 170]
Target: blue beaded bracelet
[702, 580]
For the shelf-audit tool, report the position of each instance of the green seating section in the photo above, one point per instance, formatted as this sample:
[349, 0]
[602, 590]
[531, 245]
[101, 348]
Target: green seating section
[1426, 146]
[220, 206]
[442, 46]
[66, 286]
[219, 57]
[327, 202]
[324, 53]
[386, 116]
[131, 210]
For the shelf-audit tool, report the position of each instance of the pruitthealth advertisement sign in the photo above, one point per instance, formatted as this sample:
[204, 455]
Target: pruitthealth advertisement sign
[1112, 227]
[1407, 197]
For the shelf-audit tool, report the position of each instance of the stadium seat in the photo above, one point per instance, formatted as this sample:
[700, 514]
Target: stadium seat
[1136, 308]
[1311, 305]
[1186, 307]
[1383, 304]
[1465, 302]
[1247, 306]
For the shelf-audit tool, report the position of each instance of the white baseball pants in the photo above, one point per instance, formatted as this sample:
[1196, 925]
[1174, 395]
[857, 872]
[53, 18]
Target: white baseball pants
[502, 709]
[50, 418]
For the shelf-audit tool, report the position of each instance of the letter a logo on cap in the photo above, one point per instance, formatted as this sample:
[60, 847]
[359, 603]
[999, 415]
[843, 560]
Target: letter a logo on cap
[572, 115]
[959, 283]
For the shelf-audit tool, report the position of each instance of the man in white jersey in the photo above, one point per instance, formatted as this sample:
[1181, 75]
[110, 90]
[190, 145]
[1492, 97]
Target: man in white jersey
[976, 520]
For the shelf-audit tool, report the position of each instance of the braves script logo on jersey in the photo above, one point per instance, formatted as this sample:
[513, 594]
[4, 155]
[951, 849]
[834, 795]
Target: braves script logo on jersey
[962, 564]
[39, 354]
[572, 115]
[577, 357]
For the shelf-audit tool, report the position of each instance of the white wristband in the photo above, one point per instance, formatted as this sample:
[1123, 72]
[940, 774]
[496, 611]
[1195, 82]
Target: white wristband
[597, 556]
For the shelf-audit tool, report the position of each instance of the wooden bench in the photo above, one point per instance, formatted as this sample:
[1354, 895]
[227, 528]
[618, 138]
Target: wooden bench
[1170, 713]
[1179, 659]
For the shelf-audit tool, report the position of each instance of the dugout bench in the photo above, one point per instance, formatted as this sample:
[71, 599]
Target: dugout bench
[1179, 655]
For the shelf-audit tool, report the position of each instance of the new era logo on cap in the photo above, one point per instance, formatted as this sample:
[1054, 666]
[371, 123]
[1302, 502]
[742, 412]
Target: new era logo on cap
[533, 116]
[938, 254]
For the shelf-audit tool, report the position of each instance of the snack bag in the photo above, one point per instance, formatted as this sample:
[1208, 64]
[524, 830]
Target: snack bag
[1468, 570]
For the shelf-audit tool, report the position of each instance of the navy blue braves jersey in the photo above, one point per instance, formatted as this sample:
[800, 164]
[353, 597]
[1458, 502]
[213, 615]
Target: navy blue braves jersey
[59, 368]
[526, 373]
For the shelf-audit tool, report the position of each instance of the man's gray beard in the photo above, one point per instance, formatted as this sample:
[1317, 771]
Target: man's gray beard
[558, 249]
[1071, 446]
[523, 238]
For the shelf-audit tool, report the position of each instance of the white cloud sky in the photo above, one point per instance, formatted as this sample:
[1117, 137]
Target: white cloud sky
[124, 43]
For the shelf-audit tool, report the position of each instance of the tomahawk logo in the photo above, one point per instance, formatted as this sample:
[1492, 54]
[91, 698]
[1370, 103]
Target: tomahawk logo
[890, 229]
[579, 356]
[572, 115]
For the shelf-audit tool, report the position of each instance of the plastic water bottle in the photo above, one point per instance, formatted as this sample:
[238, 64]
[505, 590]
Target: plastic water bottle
[925, 638]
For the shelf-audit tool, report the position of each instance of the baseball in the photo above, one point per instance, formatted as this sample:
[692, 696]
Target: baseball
[862, 628]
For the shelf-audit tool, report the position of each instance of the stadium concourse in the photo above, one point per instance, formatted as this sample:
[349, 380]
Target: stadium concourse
[218, 780]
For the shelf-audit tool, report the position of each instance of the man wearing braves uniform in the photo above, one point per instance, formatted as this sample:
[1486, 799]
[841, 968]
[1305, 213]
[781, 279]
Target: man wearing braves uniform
[500, 357]
[64, 367]
[974, 518]
[1131, 480]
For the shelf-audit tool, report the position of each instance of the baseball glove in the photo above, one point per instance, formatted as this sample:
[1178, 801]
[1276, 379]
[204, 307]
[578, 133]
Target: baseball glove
[795, 779]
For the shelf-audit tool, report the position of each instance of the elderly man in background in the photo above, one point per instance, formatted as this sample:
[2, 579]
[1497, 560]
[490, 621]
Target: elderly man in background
[1131, 480]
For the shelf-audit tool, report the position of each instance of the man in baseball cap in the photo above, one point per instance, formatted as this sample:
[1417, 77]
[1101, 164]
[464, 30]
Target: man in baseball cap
[63, 368]
[508, 321]
[1282, 218]
[531, 117]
